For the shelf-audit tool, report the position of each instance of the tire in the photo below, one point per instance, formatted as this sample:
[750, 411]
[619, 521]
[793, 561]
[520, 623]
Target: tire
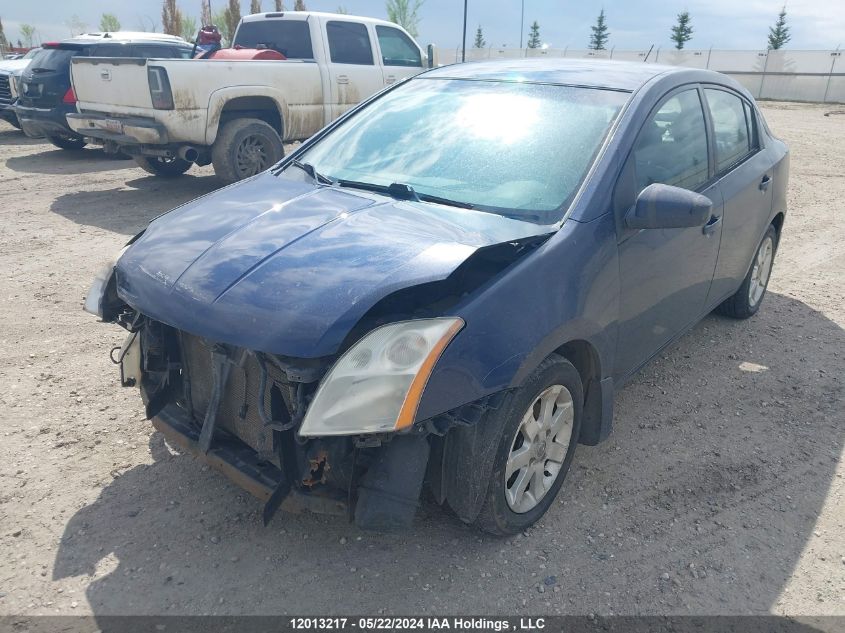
[163, 167]
[504, 511]
[68, 142]
[746, 301]
[245, 147]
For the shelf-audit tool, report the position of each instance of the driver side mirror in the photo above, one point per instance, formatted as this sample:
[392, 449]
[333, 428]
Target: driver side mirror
[666, 207]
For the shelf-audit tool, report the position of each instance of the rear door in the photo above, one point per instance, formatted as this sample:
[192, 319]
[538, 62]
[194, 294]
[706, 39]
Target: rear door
[665, 274]
[745, 177]
[400, 55]
[352, 69]
[47, 78]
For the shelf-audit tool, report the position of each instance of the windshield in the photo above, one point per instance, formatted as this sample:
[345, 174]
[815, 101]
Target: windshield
[516, 149]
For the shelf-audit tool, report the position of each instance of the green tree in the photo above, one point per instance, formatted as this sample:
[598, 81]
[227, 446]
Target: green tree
[534, 36]
[779, 33]
[189, 28]
[404, 13]
[479, 38]
[682, 31]
[171, 18]
[255, 6]
[232, 17]
[109, 22]
[28, 34]
[600, 34]
[299, 5]
[219, 20]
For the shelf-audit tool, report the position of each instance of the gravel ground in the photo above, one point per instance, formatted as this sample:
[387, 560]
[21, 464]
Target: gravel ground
[720, 491]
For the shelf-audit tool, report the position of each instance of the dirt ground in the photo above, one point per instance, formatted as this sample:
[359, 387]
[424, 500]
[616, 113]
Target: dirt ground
[720, 491]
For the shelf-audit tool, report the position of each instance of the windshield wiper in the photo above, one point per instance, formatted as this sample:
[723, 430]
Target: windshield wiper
[308, 168]
[402, 191]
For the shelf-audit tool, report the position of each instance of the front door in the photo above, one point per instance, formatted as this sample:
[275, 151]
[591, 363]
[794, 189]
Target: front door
[665, 274]
[400, 56]
[353, 73]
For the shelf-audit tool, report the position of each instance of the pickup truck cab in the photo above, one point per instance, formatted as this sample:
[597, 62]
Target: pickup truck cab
[236, 113]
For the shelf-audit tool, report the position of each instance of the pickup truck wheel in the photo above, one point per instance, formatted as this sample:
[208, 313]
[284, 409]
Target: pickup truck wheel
[164, 167]
[542, 420]
[66, 141]
[245, 147]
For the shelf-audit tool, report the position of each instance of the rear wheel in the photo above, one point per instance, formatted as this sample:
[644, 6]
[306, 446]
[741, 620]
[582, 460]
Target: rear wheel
[746, 301]
[245, 147]
[164, 167]
[67, 141]
[536, 447]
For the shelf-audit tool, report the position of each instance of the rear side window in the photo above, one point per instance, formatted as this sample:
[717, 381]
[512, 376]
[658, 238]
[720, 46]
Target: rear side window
[397, 49]
[292, 38]
[112, 50]
[731, 127]
[151, 50]
[53, 59]
[672, 146]
[349, 43]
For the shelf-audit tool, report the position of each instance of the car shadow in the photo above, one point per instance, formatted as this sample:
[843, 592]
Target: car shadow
[55, 161]
[128, 211]
[702, 501]
[12, 136]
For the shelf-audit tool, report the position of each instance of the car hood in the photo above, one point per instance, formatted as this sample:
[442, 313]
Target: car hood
[12, 65]
[287, 267]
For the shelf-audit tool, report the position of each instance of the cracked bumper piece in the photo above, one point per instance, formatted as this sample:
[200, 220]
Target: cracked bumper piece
[126, 131]
[239, 463]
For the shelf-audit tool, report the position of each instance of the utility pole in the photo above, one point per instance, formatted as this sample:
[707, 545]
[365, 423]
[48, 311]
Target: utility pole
[464, 47]
[522, 24]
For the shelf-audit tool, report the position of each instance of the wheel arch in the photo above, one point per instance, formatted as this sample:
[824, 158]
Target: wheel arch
[225, 105]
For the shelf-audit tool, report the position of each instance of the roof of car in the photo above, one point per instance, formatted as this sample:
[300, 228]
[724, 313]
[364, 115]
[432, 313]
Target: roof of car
[598, 73]
[304, 15]
[125, 37]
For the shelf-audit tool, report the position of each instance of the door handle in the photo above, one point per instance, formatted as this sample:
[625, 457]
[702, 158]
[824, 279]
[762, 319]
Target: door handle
[391, 79]
[764, 184]
[712, 224]
[343, 79]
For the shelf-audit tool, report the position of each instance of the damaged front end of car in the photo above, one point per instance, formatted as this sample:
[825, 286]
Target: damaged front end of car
[334, 433]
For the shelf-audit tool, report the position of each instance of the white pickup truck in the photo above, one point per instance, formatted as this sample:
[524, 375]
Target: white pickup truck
[171, 113]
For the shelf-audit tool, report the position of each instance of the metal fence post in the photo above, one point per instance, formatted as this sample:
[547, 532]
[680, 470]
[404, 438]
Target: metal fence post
[709, 53]
[763, 76]
[834, 55]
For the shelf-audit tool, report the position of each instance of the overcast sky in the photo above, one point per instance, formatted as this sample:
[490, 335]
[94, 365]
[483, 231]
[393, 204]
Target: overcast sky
[634, 24]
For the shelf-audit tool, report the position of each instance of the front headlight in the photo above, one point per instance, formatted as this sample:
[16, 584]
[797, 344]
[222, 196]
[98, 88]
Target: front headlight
[95, 299]
[376, 385]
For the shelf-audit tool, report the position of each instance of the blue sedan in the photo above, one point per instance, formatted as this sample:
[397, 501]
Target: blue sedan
[447, 286]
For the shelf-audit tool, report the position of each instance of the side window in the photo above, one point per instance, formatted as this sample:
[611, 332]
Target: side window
[397, 49]
[147, 51]
[730, 127]
[672, 146]
[349, 43]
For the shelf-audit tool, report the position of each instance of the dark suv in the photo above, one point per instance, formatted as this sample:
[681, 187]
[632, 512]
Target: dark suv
[46, 95]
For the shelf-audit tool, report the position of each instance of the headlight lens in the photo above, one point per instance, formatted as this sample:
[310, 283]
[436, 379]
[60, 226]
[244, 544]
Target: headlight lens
[376, 385]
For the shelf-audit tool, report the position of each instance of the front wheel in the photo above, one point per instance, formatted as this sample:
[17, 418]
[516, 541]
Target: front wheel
[164, 167]
[66, 141]
[536, 447]
[245, 147]
[746, 301]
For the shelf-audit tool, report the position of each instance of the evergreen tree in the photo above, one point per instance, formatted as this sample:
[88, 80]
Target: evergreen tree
[109, 22]
[479, 38]
[600, 34]
[779, 34]
[682, 31]
[534, 36]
